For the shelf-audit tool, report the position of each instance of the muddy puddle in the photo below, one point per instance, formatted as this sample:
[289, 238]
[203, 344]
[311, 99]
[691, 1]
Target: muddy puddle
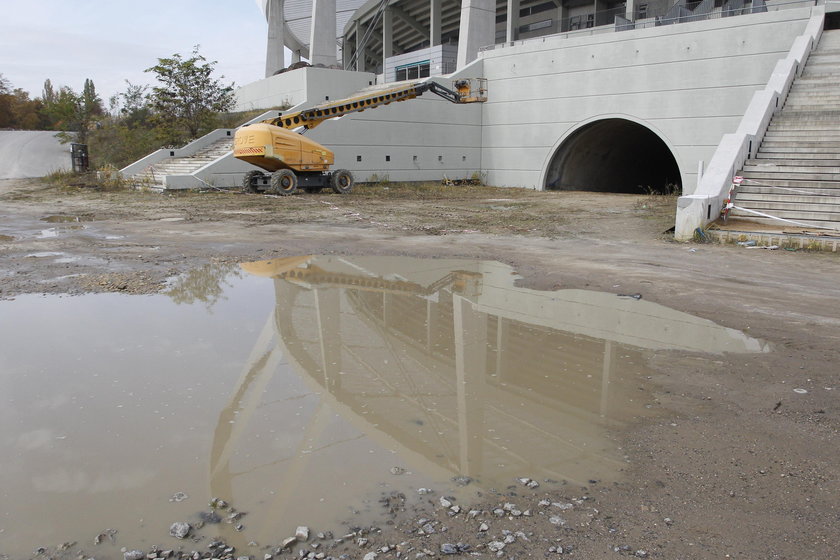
[301, 390]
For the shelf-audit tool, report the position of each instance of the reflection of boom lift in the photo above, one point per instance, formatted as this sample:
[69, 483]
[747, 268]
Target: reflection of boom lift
[293, 160]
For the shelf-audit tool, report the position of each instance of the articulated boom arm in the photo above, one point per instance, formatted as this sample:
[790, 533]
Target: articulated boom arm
[310, 118]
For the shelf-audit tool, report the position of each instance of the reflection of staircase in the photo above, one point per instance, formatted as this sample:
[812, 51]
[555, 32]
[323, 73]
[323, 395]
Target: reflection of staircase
[796, 173]
[153, 175]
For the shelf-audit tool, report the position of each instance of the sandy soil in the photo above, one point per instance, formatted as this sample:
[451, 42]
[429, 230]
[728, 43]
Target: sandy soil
[744, 467]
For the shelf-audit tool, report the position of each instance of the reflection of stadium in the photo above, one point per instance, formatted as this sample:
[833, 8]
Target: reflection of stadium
[458, 371]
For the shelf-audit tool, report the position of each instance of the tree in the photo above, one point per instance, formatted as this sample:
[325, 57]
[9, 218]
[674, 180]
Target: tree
[6, 119]
[188, 99]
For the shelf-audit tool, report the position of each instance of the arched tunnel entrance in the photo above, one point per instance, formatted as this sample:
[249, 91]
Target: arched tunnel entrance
[614, 155]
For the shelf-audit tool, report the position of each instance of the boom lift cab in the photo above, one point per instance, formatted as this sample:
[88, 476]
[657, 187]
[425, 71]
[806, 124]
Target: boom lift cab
[290, 160]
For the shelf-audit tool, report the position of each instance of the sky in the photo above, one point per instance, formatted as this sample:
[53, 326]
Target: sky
[111, 41]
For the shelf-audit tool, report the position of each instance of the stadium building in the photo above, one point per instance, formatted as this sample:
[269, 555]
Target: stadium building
[581, 94]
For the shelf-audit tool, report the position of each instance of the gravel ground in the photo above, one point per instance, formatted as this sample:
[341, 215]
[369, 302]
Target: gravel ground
[743, 466]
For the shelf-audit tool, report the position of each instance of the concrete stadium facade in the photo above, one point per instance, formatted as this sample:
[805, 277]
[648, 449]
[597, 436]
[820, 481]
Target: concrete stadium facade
[667, 101]
[566, 110]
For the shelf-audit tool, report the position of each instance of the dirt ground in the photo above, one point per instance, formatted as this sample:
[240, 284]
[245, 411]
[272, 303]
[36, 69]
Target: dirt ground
[743, 467]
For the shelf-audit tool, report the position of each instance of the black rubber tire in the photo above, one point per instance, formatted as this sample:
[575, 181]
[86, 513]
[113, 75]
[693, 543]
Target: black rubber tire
[248, 185]
[284, 182]
[313, 190]
[341, 181]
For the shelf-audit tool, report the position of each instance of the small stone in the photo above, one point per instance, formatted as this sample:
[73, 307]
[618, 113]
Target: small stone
[641, 554]
[544, 503]
[455, 510]
[563, 506]
[516, 513]
[448, 548]
[302, 533]
[288, 542]
[178, 497]
[428, 528]
[483, 527]
[361, 542]
[133, 555]
[267, 556]
[424, 491]
[462, 480]
[473, 513]
[533, 484]
[371, 556]
[498, 512]
[210, 517]
[397, 470]
[524, 481]
[555, 520]
[509, 539]
[508, 507]
[180, 529]
[445, 503]
[527, 513]
[218, 503]
[495, 546]
[243, 558]
[668, 521]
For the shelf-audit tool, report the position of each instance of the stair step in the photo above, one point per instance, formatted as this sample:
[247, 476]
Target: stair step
[778, 197]
[786, 167]
[768, 221]
[827, 147]
[757, 172]
[779, 122]
[753, 189]
[821, 218]
[784, 160]
[814, 186]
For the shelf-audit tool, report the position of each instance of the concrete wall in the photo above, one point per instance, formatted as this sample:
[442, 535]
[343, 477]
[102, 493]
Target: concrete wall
[304, 85]
[689, 83]
[418, 140]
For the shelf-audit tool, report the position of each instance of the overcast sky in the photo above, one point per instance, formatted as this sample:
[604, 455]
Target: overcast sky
[110, 41]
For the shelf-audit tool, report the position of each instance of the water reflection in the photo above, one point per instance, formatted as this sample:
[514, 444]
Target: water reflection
[346, 368]
[205, 284]
[456, 369]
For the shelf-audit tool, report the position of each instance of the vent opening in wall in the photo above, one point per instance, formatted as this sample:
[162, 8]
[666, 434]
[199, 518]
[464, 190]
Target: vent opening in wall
[440, 158]
[414, 158]
[358, 158]
[387, 158]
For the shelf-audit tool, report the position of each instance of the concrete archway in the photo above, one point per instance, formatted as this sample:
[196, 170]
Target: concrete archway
[613, 155]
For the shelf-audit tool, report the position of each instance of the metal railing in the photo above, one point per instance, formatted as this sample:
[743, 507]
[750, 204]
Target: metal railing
[683, 11]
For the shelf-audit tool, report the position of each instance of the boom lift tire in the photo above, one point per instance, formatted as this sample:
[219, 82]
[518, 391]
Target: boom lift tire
[283, 182]
[341, 181]
[248, 184]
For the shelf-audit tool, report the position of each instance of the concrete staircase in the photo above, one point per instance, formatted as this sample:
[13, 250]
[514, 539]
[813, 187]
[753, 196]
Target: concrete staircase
[796, 172]
[153, 175]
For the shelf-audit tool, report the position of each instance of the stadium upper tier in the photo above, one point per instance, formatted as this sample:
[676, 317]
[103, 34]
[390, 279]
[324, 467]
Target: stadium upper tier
[360, 27]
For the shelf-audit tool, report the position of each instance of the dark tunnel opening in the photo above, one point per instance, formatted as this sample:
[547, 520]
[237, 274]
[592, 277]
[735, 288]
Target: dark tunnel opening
[614, 155]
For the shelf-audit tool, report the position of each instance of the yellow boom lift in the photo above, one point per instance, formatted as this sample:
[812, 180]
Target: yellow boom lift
[290, 160]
